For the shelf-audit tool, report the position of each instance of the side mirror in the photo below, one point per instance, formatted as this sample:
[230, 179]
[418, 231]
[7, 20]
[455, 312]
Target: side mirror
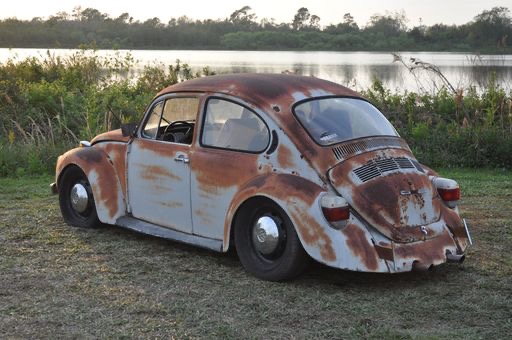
[129, 129]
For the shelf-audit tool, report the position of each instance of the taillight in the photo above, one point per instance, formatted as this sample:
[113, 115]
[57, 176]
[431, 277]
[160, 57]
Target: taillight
[336, 210]
[449, 194]
[448, 190]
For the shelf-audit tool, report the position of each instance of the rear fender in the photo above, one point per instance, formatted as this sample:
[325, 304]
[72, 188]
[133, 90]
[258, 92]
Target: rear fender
[101, 174]
[351, 248]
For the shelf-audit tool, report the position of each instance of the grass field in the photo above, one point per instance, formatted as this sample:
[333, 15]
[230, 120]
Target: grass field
[60, 281]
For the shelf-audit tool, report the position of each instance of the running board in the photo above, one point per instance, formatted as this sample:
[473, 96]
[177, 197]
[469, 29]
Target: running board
[155, 230]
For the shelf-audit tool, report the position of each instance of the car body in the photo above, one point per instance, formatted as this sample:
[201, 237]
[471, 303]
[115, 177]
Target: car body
[285, 167]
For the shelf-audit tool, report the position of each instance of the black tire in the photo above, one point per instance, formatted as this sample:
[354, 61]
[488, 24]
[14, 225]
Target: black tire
[286, 261]
[87, 217]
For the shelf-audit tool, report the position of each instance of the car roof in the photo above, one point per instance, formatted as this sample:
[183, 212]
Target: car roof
[264, 89]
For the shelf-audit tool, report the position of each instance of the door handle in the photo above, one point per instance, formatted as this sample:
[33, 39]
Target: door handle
[182, 158]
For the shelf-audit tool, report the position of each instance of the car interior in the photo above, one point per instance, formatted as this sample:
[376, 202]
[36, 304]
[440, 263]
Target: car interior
[244, 133]
[180, 131]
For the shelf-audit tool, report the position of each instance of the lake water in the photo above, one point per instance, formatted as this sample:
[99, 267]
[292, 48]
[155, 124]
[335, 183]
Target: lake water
[355, 69]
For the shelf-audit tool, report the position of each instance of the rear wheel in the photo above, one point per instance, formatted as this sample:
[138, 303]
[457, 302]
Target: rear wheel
[76, 199]
[266, 242]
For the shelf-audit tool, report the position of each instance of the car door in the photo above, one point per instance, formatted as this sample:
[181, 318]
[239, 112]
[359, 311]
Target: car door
[158, 164]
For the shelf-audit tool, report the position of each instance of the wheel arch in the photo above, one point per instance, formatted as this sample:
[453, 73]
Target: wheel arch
[102, 176]
[239, 210]
[266, 240]
[298, 198]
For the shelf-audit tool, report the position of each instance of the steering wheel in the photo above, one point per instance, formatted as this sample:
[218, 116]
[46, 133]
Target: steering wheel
[169, 127]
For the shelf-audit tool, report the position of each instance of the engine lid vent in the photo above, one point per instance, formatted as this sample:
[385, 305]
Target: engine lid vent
[377, 167]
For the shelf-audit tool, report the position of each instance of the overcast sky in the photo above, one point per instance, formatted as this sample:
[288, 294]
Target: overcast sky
[330, 11]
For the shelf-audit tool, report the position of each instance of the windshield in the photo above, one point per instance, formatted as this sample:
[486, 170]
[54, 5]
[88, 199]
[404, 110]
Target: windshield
[333, 120]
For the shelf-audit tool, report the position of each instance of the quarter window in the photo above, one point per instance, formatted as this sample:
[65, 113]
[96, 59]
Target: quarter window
[231, 126]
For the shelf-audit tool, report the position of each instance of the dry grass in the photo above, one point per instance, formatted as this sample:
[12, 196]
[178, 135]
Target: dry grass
[59, 281]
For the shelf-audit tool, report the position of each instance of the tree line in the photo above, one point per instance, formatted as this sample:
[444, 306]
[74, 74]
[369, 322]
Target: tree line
[489, 32]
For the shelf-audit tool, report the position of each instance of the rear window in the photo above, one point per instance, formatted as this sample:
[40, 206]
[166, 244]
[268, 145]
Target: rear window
[334, 120]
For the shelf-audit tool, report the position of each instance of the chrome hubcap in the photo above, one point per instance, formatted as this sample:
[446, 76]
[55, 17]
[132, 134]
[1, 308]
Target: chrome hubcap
[265, 235]
[79, 198]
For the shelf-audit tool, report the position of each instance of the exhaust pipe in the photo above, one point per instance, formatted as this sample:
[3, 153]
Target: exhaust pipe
[453, 258]
[421, 267]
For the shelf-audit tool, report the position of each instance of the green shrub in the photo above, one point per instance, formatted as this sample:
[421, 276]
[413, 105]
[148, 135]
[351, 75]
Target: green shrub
[47, 106]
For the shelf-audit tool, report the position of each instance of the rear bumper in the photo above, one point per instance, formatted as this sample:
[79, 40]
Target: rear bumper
[424, 255]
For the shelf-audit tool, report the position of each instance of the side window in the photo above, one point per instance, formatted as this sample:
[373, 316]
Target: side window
[229, 125]
[172, 120]
[183, 109]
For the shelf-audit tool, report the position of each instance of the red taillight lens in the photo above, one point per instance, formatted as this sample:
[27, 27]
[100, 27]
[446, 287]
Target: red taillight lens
[448, 190]
[449, 194]
[335, 210]
[336, 214]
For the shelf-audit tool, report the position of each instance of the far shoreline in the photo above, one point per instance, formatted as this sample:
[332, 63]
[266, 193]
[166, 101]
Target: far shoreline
[209, 48]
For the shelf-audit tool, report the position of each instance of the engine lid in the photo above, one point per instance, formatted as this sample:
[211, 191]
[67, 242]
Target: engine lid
[390, 190]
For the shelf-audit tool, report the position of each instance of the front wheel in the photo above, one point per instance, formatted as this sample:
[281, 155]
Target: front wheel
[76, 199]
[267, 243]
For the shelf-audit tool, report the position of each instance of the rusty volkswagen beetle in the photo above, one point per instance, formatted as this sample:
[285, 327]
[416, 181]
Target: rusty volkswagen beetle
[282, 167]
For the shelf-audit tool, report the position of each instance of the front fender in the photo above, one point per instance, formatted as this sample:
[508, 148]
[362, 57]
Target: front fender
[101, 174]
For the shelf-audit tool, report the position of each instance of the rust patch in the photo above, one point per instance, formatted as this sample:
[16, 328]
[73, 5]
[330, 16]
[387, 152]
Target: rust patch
[454, 222]
[107, 187]
[427, 252]
[385, 251]
[258, 182]
[218, 169]
[152, 172]
[268, 90]
[360, 247]
[161, 148]
[284, 187]
[117, 153]
[304, 190]
[313, 233]
[114, 136]
[88, 155]
[284, 157]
